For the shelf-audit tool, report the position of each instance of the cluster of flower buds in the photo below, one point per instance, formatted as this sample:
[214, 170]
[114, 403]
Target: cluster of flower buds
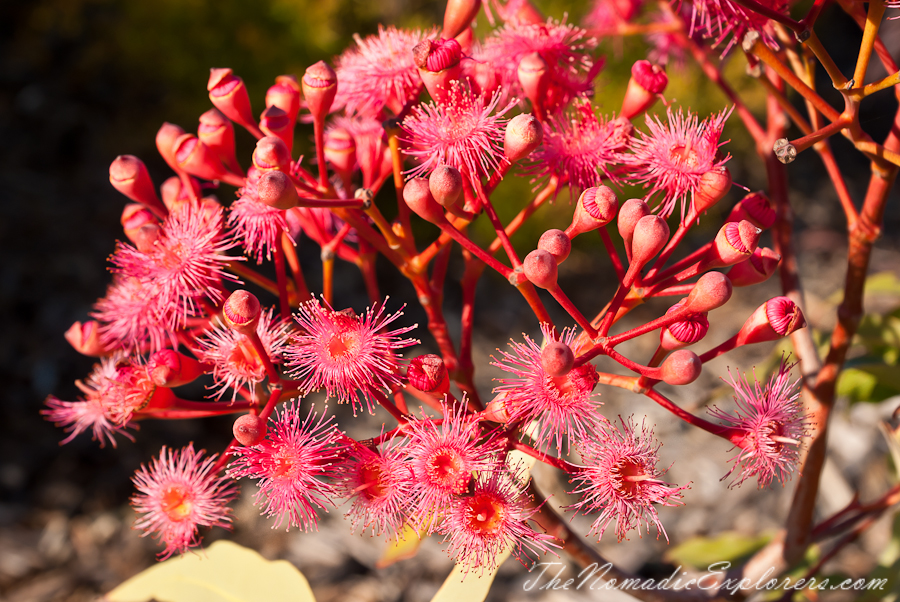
[519, 97]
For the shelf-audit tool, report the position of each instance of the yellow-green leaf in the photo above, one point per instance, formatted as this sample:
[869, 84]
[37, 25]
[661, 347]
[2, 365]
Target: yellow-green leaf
[700, 552]
[224, 572]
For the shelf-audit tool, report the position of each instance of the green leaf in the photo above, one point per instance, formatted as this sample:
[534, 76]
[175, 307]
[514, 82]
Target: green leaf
[869, 382]
[224, 572]
[700, 552]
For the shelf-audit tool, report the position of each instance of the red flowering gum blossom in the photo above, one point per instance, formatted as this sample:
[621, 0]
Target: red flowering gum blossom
[523, 135]
[686, 331]
[340, 152]
[651, 233]
[632, 211]
[714, 185]
[165, 143]
[596, 207]
[557, 358]
[129, 175]
[776, 318]
[438, 63]
[756, 208]
[735, 242]
[275, 122]
[271, 153]
[446, 185]
[276, 190]
[199, 160]
[417, 196]
[285, 95]
[249, 430]
[241, 311]
[458, 16]
[319, 85]
[681, 367]
[759, 267]
[540, 268]
[168, 368]
[217, 132]
[713, 290]
[85, 338]
[646, 83]
[228, 93]
[534, 77]
[557, 243]
[429, 374]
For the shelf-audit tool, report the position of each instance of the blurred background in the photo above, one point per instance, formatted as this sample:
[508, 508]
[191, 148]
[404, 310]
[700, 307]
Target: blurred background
[82, 81]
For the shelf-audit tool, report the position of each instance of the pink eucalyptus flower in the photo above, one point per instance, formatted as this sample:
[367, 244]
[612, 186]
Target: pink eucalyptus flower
[179, 493]
[621, 481]
[256, 225]
[771, 421]
[130, 315]
[289, 465]
[725, 20]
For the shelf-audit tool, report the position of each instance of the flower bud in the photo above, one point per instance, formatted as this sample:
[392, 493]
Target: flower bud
[756, 208]
[650, 236]
[285, 95]
[776, 318]
[168, 368]
[446, 185]
[128, 175]
[712, 290]
[145, 237]
[429, 374]
[523, 135]
[540, 268]
[271, 153]
[275, 122]
[241, 311]
[646, 83]
[534, 77]
[249, 430]
[276, 190]
[496, 409]
[438, 63]
[596, 207]
[197, 159]
[632, 211]
[714, 185]
[459, 15]
[757, 268]
[217, 132]
[228, 93]
[735, 242]
[319, 85]
[685, 331]
[681, 367]
[557, 358]
[85, 338]
[485, 79]
[340, 152]
[557, 243]
[417, 195]
[165, 143]
[134, 217]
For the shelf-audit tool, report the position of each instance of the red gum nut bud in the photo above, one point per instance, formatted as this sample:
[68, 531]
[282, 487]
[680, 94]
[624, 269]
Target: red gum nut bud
[271, 153]
[217, 132]
[197, 159]
[249, 430]
[524, 134]
[557, 243]
[686, 331]
[275, 122]
[647, 81]
[417, 196]
[714, 185]
[168, 368]
[241, 311]
[458, 16]
[165, 143]
[496, 410]
[774, 319]
[319, 85]
[285, 95]
[438, 63]
[540, 268]
[596, 207]
[128, 175]
[756, 208]
[171, 192]
[446, 185]
[650, 236]
[681, 367]
[534, 78]
[228, 93]
[276, 190]
[557, 359]
[146, 236]
[712, 290]
[340, 152]
[429, 374]
[632, 211]
[85, 338]
[134, 217]
[759, 267]
[735, 242]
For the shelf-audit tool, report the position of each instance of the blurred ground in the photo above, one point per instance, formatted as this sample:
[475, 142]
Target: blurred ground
[67, 107]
